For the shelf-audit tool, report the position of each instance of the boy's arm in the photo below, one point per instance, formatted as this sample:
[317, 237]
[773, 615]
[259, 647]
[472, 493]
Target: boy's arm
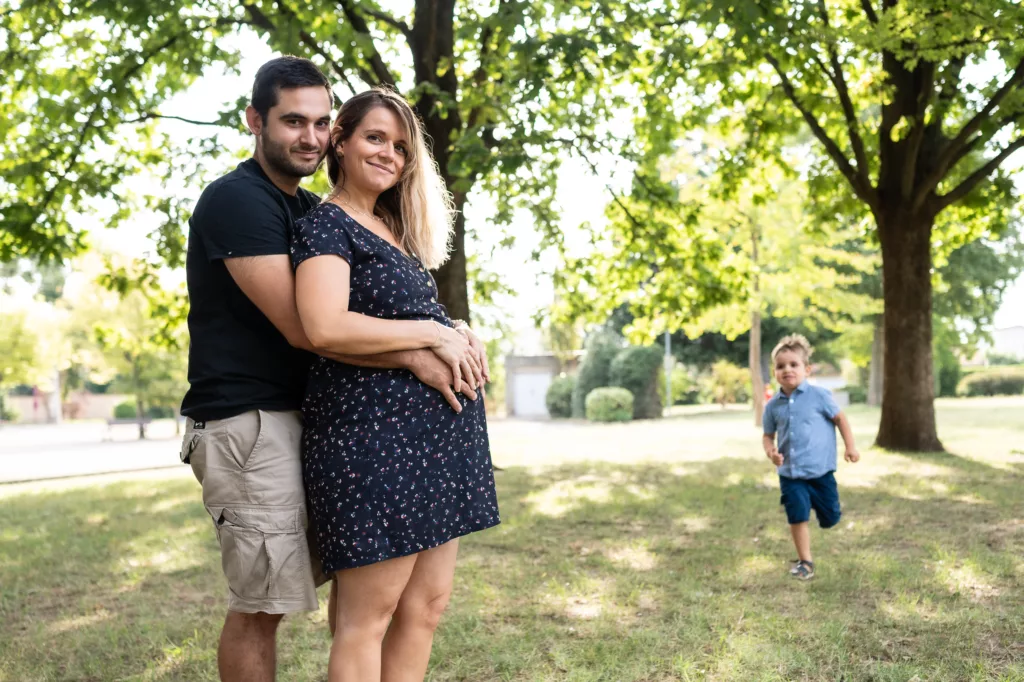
[847, 433]
[768, 441]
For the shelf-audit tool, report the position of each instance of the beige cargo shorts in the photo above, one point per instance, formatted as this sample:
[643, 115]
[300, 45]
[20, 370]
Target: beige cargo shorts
[251, 472]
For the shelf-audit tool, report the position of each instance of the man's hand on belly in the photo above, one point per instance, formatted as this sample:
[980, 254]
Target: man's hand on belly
[433, 371]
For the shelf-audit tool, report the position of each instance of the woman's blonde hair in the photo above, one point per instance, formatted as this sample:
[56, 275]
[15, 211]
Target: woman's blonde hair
[419, 209]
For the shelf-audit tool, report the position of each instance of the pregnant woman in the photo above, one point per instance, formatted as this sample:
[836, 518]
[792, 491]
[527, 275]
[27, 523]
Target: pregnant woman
[393, 475]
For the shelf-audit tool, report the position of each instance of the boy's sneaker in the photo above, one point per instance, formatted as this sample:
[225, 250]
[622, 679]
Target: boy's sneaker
[804, 570]
[793, 563]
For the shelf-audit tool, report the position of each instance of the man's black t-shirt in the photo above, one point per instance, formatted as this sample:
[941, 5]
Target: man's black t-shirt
[237, 360]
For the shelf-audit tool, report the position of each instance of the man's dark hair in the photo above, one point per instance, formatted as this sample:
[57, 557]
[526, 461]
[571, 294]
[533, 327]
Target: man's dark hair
[285, 73]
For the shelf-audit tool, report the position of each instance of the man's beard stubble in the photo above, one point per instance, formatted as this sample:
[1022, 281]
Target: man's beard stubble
[277, 156]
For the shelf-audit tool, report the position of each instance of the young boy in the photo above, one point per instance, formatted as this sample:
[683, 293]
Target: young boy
[805, 418]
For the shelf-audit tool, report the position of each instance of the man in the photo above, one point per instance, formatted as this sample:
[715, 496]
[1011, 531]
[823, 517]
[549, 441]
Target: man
[248, 361]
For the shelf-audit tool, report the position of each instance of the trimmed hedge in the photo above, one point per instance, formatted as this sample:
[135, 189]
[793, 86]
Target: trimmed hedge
[998, 382]
[160, 412]
[125, 410]
[858, 394]
[602, 347]
[636, 370]
[609, 404]
[559, 397]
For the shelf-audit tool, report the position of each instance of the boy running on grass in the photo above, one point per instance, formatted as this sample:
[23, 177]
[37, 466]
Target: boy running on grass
[805, 418]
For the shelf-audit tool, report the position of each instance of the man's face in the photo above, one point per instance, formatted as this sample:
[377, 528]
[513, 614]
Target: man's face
[294, 138]
[790, 369]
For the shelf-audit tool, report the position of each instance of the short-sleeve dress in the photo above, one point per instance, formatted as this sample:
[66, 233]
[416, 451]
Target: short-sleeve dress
[390, 469]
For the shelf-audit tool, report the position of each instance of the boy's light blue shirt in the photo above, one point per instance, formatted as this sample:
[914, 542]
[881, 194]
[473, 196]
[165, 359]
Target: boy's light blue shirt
[806, 434]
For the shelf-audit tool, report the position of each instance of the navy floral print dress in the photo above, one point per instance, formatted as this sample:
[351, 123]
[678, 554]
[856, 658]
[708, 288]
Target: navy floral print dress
[390, 468]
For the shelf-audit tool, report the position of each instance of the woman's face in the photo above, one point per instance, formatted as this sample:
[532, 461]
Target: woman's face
[374, 156]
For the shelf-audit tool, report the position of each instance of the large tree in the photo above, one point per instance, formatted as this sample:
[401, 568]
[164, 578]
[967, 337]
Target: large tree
[505, 90]
[914, 107]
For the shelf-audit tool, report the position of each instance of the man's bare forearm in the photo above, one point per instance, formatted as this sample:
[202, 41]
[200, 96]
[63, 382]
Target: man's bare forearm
[399, 359]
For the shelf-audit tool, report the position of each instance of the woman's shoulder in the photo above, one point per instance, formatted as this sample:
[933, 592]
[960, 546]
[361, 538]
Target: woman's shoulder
[324, 229]
[324, 213]
[324, 220]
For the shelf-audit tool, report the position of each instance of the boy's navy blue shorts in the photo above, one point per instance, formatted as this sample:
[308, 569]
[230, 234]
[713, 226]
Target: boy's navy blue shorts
[800, 496]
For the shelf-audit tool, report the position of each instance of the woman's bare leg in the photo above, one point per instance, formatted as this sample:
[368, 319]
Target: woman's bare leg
[367, 596]
[407, 645]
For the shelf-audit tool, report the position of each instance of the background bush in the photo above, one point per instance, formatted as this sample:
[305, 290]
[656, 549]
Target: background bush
[685, 390]
[636, 369]
[160, 412]
[858, 394]
[609, 404]
[1003, 359]
[601, 349]
[559, 396]
[999, 382]
[727, 383]
[947, 372]
[8, 413]
[125, 410]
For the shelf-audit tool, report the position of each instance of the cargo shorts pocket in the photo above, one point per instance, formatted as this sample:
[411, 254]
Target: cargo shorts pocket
[264, 553]
[188, 445]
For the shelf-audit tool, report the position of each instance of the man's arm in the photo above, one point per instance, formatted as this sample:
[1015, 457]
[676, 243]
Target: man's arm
[268, 281]
[846, 431]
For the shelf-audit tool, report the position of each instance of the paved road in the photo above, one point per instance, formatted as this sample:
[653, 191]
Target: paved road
[80, 449]
[36, 452]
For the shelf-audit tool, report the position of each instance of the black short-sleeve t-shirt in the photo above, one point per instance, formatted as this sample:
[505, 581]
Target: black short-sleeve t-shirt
[237, 360]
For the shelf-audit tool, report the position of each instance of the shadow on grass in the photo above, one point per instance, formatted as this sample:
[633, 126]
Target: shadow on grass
[598, 572]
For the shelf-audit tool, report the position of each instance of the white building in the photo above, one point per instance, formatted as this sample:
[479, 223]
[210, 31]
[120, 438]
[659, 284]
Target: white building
[1009, 341]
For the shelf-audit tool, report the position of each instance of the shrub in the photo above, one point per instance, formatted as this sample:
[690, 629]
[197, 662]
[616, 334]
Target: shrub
[998, 382]
[727, 383]
[602, 347]
[858, 394]
[1003, 359]
[559, 396]
[160, 412]
[611, 404]
[685, 390]
[636, 370]
[125, 410]
[947, 372]
[8, 413]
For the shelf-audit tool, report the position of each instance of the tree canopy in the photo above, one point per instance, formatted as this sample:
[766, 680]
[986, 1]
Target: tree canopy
[506, 90]
[911, 106]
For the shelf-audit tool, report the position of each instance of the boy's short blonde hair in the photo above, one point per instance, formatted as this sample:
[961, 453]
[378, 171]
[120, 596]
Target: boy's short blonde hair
[796, 343]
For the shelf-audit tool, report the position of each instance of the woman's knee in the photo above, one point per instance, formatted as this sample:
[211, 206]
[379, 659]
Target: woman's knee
[366, 621]
[424, 611]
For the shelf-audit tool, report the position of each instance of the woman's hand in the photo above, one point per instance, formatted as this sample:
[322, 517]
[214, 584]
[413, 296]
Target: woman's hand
[479, 351]
[454, 349]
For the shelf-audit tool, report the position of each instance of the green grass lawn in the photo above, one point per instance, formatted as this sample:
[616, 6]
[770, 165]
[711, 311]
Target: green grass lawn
[651, 551]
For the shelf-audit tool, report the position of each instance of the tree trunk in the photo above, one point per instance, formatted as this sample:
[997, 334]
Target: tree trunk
[756, 376]
[140, 408]
[452, 286]
[432, 42]
[908, 393]
[876, 375]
